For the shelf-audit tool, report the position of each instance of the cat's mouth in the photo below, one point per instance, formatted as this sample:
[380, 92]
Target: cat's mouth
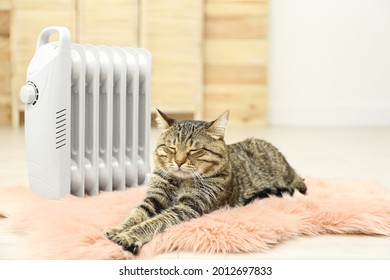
[182, 173]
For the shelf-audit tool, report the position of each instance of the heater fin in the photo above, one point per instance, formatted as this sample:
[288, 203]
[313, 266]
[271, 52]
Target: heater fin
[87, 117]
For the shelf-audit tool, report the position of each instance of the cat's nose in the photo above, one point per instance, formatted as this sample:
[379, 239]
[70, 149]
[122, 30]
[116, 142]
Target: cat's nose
[179, 162]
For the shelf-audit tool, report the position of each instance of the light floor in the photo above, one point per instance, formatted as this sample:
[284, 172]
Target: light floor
[361, 153]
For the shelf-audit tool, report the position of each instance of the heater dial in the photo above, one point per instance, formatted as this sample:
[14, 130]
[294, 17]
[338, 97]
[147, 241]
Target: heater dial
[29, 93]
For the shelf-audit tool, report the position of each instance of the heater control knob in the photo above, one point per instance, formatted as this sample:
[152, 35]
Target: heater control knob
[28, 93]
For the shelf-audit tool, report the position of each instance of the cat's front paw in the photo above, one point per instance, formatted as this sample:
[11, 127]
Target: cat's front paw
[126, 239]
[110, 232]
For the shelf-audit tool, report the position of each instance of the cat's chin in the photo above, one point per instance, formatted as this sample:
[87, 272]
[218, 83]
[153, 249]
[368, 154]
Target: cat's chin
[182, 174]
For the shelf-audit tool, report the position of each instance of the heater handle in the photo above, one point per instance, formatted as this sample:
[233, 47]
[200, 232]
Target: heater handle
[64, 39]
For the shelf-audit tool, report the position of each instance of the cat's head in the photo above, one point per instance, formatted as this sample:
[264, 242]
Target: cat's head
[191, 148]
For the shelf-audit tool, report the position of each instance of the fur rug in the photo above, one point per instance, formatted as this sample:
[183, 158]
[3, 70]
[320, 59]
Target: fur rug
[71, 228]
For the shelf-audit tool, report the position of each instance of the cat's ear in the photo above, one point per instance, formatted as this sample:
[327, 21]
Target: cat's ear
[163, 121]
[217, 127]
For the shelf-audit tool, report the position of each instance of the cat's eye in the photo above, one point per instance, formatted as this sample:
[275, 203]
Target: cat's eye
[171, 149]
[193, 151]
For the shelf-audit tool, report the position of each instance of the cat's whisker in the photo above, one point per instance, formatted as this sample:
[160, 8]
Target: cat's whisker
[195, 179]
[165, 174]
[199, 176]
[207, 188]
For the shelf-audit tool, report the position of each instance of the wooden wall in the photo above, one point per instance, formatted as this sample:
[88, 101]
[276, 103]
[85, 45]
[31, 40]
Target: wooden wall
[5, 63]
[28, 19]
[102, 22]
[208, 55]
[172, 31]
[235, 60]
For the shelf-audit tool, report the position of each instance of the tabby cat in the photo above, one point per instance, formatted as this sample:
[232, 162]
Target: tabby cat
[197, 173]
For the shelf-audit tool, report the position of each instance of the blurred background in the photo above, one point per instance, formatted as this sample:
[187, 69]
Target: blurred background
[278, 62]
[310, 76]
[329, 62]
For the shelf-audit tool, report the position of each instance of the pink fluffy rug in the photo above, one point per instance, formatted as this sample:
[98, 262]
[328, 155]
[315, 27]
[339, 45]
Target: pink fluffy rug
[71, 228]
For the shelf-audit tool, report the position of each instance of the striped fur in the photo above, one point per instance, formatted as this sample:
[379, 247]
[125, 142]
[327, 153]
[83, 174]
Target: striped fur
[197, 173]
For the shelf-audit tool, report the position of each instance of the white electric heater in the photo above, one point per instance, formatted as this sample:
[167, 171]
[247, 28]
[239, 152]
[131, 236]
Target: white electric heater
[87, 117]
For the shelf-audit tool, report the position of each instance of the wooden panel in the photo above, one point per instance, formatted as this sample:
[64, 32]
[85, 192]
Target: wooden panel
[236, 8]
[4, 48]
[172, 31]
[241, 1]
[238, 27]
[29, 18]
[4, 22]
[5, 114]
[5, 5]
[5, 82]
[5, 64]
[102, 22]
[5, 71]
[236, 19]
[247, 102]
[235, 58]
[236, 51]
[236, 74]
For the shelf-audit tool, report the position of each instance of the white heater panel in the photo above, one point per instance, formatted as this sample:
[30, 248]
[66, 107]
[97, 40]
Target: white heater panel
[77, 120]
[87, 117]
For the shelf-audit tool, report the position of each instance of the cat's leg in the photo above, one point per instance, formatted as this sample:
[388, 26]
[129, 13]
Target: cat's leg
[156, 200]
[274, 189]
[299, 184]
[136, 216]
[266, 192]
[136, 236]
[151, 206]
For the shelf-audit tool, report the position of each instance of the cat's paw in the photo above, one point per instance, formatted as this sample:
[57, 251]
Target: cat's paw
[110, 232]
[128, 241]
